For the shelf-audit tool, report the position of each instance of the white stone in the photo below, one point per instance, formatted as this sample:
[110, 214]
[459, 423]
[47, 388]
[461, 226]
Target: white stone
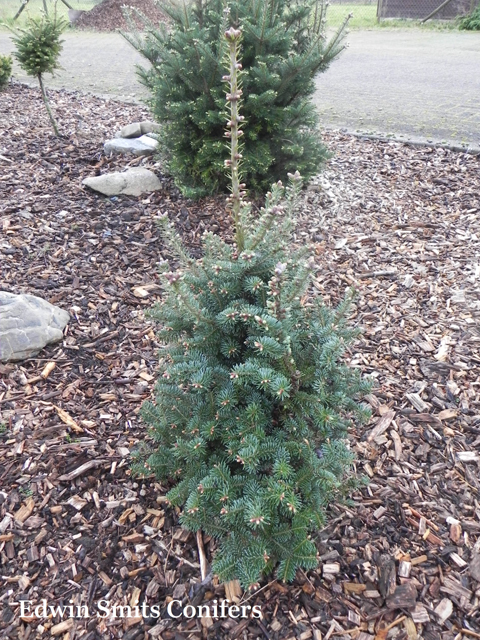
[132, 182]
[149, 127]
[27, 324]
[133, 130]
[122, 145]
[149, 141]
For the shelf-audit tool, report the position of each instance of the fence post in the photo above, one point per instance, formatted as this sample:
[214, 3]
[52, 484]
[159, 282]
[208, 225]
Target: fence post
[434, 13]
[379, 9]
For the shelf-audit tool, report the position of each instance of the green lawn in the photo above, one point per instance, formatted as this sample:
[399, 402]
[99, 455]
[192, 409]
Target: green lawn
[364, 15]
[8, 8]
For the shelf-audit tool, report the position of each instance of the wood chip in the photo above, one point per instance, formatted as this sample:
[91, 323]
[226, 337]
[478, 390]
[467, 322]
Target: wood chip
[91, 464]
[474, 566]
[68, 420]
[25, 510]
[444, 610]
[455, 588]
[468, 456]
[47, 370]
[77, 502]
[460, 562]
[417, 402]
[382, 425]
[404, 569]
[233, 590]
[455, 532]
[420, 614]
[404, 597]
[378, 513]
[331, 568]
[447, 414]
[62, 627]
[108, 581]
[135, 597]
[354, 587]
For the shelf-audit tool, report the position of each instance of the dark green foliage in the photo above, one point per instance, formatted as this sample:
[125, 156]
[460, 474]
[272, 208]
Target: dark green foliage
[471, 22]
[5, 70]
[284, 47]
[39, 45]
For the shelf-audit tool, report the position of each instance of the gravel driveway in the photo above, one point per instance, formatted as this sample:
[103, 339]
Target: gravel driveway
[412, 84]
[418, 84]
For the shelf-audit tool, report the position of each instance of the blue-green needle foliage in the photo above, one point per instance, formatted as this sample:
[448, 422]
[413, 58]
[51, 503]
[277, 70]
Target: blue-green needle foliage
[284, 48]
[254, 400]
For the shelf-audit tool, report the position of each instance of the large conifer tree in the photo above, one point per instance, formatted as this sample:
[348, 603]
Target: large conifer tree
[284, 47]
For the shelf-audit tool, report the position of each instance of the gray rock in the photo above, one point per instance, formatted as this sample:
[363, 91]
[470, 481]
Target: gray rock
[27, 324]
[149, 127]
[133, 130]
[149, 141]
[121, 145]
[132, 182]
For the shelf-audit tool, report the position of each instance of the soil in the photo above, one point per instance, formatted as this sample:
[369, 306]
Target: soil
[108, 15]
[398, 223]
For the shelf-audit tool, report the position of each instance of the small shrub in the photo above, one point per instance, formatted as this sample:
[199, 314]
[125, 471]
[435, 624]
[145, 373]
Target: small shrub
[5, 70]
[472, 21]
[253, 400]
[38, 48]
[284, 47]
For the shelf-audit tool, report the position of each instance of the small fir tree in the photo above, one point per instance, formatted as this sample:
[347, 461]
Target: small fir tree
[38, 48]
[253, 400]
[284, 47]
[5, 70]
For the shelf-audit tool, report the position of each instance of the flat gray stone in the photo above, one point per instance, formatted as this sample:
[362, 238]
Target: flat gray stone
[133, 130]
[149, 127]
[149, 141]
[27, 324]
[137, 129]
[132, 182]
[122, 145]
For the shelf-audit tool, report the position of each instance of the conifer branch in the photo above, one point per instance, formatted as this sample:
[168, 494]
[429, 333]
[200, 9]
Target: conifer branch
[234, 132]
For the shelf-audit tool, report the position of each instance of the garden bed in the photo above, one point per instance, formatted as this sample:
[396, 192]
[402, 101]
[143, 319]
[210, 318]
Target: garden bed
[401, 225]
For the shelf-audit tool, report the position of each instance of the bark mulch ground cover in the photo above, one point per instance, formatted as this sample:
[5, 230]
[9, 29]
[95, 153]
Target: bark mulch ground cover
[401, 225]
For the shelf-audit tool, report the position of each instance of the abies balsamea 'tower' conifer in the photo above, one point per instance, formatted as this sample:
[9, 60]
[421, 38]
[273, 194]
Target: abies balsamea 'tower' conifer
[284, 48]
[253, 400]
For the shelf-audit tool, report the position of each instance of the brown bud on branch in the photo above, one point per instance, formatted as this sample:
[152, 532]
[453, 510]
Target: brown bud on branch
[172, 276]
[233, 34]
